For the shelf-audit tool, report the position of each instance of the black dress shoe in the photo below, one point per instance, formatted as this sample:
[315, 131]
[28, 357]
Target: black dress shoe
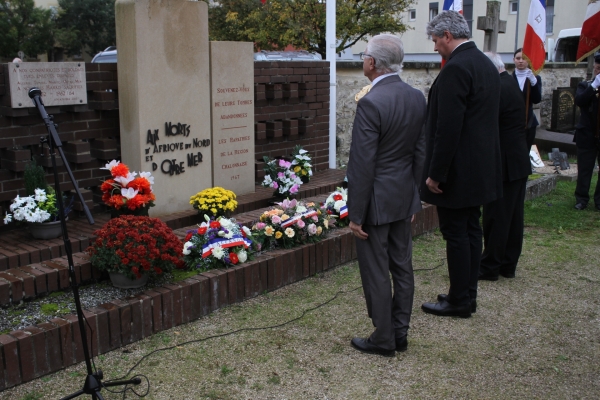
[486, 277]
[580, 206]
[444, 297]
[366, 346]
[445, 309]
[401, 343]
[508, 275]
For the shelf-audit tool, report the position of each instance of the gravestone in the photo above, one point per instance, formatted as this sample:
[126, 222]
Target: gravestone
[562, 118]
[61, 83]
[492, 25]
[164, 96]
[232, 100]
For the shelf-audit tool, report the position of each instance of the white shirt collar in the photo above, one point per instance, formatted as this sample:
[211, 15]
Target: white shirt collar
[382, 77]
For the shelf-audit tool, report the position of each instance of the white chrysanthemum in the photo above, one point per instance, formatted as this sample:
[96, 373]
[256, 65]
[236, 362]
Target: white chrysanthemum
[218, 252]
[7, 218]
[339, 204]
[129, 193]
[40, 195]
[186, 248]
[242, 256]
[111, 165]
[289, 232]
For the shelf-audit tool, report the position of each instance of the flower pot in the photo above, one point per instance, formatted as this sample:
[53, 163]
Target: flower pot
[122, 281]
[140, 212]
[45, 230]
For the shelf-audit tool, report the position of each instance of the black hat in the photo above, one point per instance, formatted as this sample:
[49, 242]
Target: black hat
[597, 57]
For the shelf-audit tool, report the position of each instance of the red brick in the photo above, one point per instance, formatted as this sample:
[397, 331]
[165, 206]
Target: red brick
[156, 299]
[4, 292]
[39, 279]
[271, 274]
[66, 340]
[16, 286]
[194, 298]
[62, 271]
[53, 346]
[240, 283]
[306, 260]
[52, 278]
[9, 351]
[146, 314]
[26, 354]
[76, 338]
[39, 350]
[176, 298]
[136, 318]
[28, 283]
[102, 342]
[223, 287]
[231, 286]
[167, 307]
[256, 278]
[114, 325]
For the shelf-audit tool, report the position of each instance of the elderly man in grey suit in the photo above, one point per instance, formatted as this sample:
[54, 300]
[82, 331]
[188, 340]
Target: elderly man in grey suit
[386, 162]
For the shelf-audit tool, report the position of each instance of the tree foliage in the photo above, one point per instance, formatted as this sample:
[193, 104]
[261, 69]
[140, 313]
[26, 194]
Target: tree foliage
[87, 25]
[301, 23]
[24, 27]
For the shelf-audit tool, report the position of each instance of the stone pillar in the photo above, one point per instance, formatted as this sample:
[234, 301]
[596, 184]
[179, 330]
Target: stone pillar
[164, 96]
[232, 100]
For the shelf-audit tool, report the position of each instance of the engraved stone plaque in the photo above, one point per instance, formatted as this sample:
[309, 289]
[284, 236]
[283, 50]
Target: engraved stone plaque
[563, 110]
[232, 104]
[61, 83]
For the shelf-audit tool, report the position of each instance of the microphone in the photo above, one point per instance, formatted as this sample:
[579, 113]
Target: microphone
[34, 92]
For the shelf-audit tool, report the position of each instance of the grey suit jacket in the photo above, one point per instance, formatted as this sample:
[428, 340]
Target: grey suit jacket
[387, 154]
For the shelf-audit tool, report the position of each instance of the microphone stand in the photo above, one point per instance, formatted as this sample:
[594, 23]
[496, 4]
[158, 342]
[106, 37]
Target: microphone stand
[93, 381]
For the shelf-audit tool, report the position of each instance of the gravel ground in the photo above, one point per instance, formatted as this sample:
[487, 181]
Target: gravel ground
[550, 169]
[535, 336]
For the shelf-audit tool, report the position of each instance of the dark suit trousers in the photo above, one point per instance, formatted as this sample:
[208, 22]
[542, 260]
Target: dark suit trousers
[388, 249]
[586, 158]
[530, 136]
[503, 230]
[462, 233]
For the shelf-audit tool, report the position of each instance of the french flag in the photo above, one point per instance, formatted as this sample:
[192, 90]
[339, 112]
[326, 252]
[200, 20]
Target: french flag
[535, 35]
[589, 40]
[453, 5]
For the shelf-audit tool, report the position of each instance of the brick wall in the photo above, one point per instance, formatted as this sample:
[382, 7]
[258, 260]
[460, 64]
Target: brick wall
[291, 107]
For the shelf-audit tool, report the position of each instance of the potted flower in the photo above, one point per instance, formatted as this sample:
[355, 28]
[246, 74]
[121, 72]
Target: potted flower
[217, 243]
[134, 248]
[291, 223]
[336, 207]
[214, 202]
[127, 192]
[280, 176]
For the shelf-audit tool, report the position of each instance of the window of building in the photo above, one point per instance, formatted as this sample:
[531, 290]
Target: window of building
[468, 13]
[433, 10]
[549, 16]
[513, 7]
[412, 15]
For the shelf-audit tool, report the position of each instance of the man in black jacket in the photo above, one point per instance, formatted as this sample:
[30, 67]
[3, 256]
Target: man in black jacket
[462, 167]
[587, 138]
[503, 218]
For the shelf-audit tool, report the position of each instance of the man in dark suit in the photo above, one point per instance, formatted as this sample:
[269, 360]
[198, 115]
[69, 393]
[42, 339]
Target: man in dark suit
[386, 162]
[463, 169]
[503, 218]
[531, 89]
[587, 138]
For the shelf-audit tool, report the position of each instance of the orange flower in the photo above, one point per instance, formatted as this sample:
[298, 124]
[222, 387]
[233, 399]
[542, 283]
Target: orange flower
[119, 170]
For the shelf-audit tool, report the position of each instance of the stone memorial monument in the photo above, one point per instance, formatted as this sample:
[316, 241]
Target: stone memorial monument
[232, 101]
[164, 96]
[492, 25]
[562, 118]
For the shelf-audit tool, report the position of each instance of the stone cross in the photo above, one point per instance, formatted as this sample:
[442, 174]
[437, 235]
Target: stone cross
[492, 25]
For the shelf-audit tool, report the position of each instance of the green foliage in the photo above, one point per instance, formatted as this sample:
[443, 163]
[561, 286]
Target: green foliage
[301, 23]
[34, 177]
[24, 27]
[87, 25]
[49, 309]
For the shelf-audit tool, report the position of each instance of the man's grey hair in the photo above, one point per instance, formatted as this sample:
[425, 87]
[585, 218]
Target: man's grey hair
[496, 60]
[388, 52]
[450, 21]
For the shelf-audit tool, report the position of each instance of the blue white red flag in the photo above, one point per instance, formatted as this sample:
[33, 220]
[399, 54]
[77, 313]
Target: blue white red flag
[236, 240]
[589, 41]
[343, 212]
[293, 220]
[453, 5]
[535, 35]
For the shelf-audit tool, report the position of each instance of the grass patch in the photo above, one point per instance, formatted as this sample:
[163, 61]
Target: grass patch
[533, 177]
[49, 309]
[180, 274]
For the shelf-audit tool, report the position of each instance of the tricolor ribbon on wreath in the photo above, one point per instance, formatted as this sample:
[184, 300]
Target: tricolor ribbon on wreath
[237, 240]
[343, 212]
[292, 221]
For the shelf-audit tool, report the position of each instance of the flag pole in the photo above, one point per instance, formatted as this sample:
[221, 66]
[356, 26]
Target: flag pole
[330, 43]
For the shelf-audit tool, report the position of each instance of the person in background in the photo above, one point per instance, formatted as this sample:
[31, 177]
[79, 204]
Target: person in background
[385, 165]
[531, 86]
[463, 169]
[503, 218]
[587, 137]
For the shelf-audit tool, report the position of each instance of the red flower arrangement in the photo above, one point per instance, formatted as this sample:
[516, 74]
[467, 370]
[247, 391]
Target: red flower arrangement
[126, 190]
[136, 245]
